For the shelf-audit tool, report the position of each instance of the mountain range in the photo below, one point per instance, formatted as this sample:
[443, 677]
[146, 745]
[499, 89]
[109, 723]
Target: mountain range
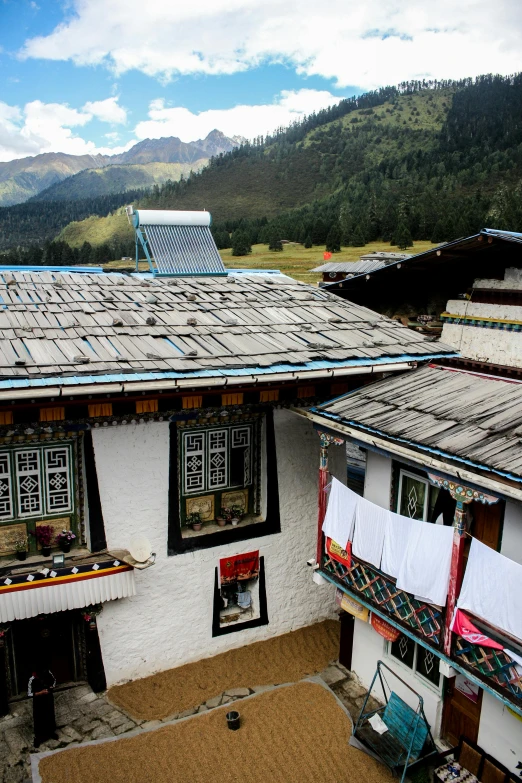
[36, 176]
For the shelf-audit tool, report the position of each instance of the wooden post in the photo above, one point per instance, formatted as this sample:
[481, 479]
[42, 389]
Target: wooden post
[456, 571]
[462, 496]
[4, 691]
[326, 441]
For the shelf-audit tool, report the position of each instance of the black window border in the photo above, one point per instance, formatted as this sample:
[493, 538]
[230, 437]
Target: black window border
[177, 545]
[217, 630]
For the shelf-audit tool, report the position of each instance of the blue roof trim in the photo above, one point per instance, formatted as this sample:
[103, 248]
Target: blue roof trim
[91, 270]
[438, 452]
[76, 380]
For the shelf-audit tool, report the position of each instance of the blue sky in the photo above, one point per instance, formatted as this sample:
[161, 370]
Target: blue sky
[98, 75]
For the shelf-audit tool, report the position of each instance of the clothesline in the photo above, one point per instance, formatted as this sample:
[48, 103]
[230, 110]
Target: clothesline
[417, 554]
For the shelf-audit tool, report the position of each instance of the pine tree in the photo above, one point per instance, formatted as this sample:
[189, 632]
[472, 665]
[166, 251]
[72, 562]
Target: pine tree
[274, 242]
[240, 243]
[308, 241]
[357, 237]
[402, 237]
[333, 240]
[85, 256]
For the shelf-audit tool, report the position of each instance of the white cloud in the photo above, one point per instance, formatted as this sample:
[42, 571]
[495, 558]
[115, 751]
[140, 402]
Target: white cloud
[366, 44]
[108, 110]
[244, 120]
[48, 127]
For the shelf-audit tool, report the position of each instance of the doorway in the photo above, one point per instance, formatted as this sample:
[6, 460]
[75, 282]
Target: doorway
[53, 640]
[461, 711]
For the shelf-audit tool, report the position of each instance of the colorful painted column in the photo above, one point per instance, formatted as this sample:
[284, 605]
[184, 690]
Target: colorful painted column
[462, 495]
[324, 478]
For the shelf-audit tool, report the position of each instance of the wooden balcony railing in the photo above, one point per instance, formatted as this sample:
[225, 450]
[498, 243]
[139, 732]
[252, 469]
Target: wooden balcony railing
[494, 667]
[380, 590]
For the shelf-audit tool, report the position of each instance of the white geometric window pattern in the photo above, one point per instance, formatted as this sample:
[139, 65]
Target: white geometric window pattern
[207, 455]
[35, 482]
[6, 499]
[57, 476]
[412, 502]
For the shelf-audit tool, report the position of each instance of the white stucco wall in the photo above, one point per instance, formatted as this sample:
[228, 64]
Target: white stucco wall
[500, 732]
[484, 345]
[512, 532]
[377, 481]
[169, 621]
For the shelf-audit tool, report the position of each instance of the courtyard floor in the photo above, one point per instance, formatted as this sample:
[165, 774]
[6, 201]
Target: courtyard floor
[83, 716]
[289, 734]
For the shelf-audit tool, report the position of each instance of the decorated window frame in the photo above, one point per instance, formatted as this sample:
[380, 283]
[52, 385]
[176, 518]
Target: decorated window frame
[219, 468]
[38, 486]
[260, 514]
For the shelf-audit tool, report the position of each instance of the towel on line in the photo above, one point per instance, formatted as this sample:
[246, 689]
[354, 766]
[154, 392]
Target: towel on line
[368, 537]
[396, 537]
[340, 513]
[425, 568]
[492, 588]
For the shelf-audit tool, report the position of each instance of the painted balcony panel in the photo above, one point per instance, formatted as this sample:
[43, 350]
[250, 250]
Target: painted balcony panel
[379, 590]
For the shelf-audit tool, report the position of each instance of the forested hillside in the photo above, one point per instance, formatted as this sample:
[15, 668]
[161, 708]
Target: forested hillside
[424, 161]
[441, 162]
[110, 180]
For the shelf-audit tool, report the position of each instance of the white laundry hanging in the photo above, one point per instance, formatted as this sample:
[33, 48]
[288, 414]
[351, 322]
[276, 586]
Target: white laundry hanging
[492, 588]
[425, 568]
[396, 537]
[368, 537]
[340, 513]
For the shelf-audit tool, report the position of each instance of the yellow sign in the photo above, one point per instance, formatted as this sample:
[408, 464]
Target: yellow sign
[351, 606]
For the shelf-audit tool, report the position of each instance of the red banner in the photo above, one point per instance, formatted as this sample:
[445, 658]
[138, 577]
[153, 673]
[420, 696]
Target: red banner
[383, 628]
[464, 627]
[336, 552]
[238, 568]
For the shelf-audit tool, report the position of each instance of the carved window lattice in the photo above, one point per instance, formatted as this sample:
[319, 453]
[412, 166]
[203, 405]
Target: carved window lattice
[35, 482]
[381, 591]
[494, 666]
[6, 498]
[208, 459]
[57, 479]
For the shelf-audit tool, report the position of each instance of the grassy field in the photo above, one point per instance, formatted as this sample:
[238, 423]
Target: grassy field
[295, 260]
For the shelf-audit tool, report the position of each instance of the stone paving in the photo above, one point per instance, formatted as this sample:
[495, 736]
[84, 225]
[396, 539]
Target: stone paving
[82, 715]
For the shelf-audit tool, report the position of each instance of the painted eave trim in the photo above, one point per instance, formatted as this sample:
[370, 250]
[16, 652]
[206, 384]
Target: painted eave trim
[450, 661]
[319, 369]
[392, 446]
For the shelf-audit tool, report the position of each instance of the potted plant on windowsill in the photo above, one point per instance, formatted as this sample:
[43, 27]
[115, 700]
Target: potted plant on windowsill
[237, 515]
[44, 536]
[65, 539]
[21, 547]
[195, 521]
[226, 516]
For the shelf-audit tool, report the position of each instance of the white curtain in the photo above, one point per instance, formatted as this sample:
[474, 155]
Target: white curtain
[48, 598]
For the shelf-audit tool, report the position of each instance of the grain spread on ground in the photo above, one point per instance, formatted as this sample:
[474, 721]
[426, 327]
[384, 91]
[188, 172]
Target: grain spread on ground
[294, 734]
[280, 659]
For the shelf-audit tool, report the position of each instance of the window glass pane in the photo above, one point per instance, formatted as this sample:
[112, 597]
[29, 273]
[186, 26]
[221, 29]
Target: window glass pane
[28, 483]
[412, 497]
[6, 499]
[428, 665]
[57, 480]
[404, 650]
